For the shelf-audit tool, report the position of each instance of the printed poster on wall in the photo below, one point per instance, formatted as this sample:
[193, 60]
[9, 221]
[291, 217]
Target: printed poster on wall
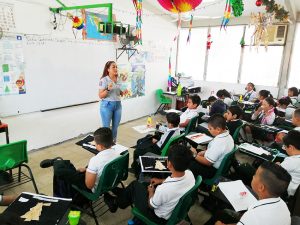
[132, 80]
[12, 77]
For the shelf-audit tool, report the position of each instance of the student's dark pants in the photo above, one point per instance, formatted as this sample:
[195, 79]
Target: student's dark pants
[136, 193]
[200, 169]
[226, 216]
[65, 171]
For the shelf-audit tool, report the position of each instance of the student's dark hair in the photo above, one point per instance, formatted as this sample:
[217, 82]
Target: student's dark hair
[297, 113]
[294, 90]
[180, 156]
[265, 93]
[236, 110]
[292, 138]
[224, 93]
[285, 101]
[270, 101]
[106, 67]
[252, 85]
[173, 118]
[211, 99]
[103, 136]
[10, 218]
[275, 178]
[217, 121]
[195, 99]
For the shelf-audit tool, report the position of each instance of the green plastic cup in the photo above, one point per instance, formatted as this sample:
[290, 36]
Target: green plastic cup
[74, 217]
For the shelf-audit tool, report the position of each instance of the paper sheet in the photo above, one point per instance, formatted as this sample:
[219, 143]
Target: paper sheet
[199, 138]
[254, 149]
[173, 111]
[143, 129]
[204, 124]
[117, 147]
[237, 194]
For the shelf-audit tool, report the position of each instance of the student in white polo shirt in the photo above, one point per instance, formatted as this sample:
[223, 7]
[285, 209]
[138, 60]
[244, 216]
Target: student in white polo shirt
[191, 111]
[291, 144]
[162, 195]
[85, 178]
[207, 162]
[269, 183]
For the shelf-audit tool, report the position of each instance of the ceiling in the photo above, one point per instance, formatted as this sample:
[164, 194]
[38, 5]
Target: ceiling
[208, 9]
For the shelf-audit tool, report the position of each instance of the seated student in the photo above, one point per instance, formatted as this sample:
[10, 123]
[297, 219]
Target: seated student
[232, 117]
[155, 144]
[217, 106]
[285, 108]
[207, 162]
[291, 144]
[225, 96]
[265, 115]
[6, 200]
[191, 111]
[86, 178]
[161, 197]
[269, 183]
[293, 93]
[296, 119]
[250, 95]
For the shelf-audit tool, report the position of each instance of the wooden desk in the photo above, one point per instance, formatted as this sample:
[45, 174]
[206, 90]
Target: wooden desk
[4, 128]
[173, 96]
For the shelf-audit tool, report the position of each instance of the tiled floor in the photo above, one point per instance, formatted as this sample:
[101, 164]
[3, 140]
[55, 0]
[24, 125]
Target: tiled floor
[80, 157]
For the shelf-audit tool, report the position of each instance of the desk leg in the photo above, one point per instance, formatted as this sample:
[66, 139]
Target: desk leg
[7, 135]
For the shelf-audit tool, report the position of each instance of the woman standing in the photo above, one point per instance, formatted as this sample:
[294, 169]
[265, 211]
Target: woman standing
[110, 93]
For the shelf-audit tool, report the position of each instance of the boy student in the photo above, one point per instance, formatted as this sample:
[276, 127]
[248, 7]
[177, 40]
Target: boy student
[291, 144]
[86, 178]
[191, 111]
[296, 119]
[269, 183]
[155, 144]
[232, 117]
[216, 106]
[293, 93]
[207, 162]
[158, 200]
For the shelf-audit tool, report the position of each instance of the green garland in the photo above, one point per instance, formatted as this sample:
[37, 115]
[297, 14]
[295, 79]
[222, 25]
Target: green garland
[280, 13]
[237, 7]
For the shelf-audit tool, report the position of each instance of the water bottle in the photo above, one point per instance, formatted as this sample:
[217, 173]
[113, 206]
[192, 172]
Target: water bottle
[149, 121]
[130, 222]
[179, 89]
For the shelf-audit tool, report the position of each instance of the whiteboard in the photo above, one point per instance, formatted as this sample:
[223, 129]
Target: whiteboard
[58, 73]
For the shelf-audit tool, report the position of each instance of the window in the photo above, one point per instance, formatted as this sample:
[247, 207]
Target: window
[260, 67]
[294, 75]
[191, 56]
[224, 55]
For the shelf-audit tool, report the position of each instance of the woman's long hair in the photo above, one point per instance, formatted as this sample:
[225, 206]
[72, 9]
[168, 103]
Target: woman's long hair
[105, 70]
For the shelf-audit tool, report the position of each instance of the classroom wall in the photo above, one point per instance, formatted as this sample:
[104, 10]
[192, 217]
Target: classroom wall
[47, 128]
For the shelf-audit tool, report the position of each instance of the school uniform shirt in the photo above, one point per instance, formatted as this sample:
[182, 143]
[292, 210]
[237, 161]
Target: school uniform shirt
[265, 119]
[218, 148]
[270, 211]
[289, 111]
[233, 125]
[168, 193]
[218, 107]
[292, 165]
[98, 162]
[297, 128]
[114, 93]
[249, 96]
[294, 100]
[188, 114]
[168, 134]
[228, 101]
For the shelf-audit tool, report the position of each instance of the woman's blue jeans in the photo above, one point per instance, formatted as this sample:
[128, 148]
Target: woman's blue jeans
[111, 111]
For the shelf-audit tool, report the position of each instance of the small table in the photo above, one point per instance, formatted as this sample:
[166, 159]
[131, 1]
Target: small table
[4, 128]
[173, 96]
[56, 213]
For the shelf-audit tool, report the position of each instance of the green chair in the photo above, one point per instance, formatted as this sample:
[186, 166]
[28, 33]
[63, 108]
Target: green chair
[181, 210]
[191, 126]
[236, 134]
[173, 140]
[112, 175]
[223, 169]
[163, 100]
[14, 155]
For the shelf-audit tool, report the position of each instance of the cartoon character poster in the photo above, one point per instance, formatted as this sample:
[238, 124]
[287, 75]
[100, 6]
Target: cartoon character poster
[132, 80]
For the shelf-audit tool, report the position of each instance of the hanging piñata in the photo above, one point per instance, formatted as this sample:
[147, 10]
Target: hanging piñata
[138, 4]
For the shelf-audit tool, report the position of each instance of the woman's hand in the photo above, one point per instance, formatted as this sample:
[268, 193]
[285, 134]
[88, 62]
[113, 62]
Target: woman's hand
[110, 86]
